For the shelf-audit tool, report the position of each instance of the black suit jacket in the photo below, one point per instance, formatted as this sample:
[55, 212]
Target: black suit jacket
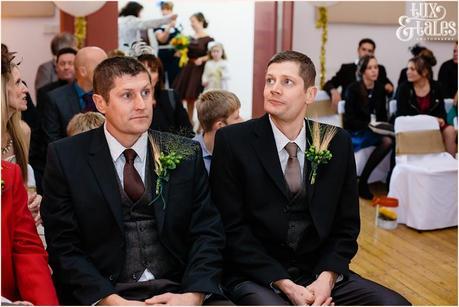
[82, 215]
[62, 104]
[346, 75]
[250, 191]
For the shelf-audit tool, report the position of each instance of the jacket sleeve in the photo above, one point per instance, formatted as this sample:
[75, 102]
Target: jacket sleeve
[205, 261]
[50, 121]
[72, 267]
[242, 249]
[380, 104]
[29, 257]
[341, 245]
[403, 100]
[335, 82]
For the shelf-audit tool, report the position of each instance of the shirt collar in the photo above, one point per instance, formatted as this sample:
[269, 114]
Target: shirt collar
[116, 149]
[200, 138]
[80, 92]
[281, 140]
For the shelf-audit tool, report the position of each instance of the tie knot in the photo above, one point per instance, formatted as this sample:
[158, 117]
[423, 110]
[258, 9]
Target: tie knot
[130, 155]
[87, 97]
[291, 149]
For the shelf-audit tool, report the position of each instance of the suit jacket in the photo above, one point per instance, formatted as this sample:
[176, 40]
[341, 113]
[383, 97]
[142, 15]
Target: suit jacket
[346, 75]
[46, 73]
[249, 188]
[25, 272]
[62, 104]
[357, 113]
[82, 216]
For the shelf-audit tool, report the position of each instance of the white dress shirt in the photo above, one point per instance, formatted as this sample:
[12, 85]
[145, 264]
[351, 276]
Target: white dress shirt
[116, 151]
[281, 140]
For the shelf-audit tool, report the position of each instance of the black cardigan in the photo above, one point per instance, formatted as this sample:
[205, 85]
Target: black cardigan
[407, 104]
[357, 113]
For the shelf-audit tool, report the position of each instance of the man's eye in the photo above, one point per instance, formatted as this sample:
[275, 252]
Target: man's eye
[146, 93]
[127, 95]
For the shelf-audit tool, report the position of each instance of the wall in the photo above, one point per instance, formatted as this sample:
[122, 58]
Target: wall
[343, 40]
[30, 38]
[230, 22]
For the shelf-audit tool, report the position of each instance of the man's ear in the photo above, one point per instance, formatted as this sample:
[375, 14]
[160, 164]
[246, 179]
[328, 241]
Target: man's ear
[100, 103]
[311, 93]
[82, 70]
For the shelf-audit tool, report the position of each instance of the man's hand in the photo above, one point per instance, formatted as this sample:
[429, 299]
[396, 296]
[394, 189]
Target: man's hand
[335, 97]
[185, 299]
[116, 300]
[298, 295]
[322, 287]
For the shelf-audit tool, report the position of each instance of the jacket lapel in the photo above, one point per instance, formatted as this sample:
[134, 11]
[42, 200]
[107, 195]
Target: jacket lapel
[101, 164]
[159, 201]
[266, 150]
[307, 166]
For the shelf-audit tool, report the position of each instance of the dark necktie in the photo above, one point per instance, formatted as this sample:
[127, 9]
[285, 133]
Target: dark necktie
[89, 103]
[133, 185]
[293, 171]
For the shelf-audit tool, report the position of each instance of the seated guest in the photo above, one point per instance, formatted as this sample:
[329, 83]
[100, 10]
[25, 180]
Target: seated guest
[83, 122]
[422, 95]
[346, 74]
[66, 101]
[123, 225]
[216, 109]
[26, 278]
[15, 132]
[46, 72]
[415, 51]
[290, 238]
[365, 98]
[169, 113]
[66, 73]
[447, 76]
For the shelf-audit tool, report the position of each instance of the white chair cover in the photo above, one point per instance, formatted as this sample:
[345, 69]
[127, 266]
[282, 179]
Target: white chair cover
[424, 184]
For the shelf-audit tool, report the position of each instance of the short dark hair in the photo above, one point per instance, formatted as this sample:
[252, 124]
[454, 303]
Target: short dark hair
[155, 64]
[132, 8]
[367, 41]
[62, 40]
[65, 51]
[200, 17]
[111, 68]
[307, 70]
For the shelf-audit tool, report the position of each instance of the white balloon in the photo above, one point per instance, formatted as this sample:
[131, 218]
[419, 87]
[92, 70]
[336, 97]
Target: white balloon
[79, 8]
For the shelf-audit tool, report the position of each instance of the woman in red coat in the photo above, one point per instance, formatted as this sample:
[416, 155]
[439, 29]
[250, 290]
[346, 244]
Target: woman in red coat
[25, 273]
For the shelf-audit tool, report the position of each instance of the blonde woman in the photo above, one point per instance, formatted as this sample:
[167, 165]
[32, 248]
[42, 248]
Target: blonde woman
[15, 132]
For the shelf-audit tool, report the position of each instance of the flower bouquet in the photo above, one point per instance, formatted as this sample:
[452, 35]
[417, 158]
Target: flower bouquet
[181, 43]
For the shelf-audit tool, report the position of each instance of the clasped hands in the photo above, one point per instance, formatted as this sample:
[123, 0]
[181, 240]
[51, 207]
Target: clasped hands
[177, 299]
[317, 293]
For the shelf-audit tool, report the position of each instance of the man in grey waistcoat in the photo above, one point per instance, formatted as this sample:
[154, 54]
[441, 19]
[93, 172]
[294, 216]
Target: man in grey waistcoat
[127, 212]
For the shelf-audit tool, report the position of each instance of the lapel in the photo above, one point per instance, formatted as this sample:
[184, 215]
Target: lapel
[307, 166]
[158, 203]
[266, 149]
[104, 171]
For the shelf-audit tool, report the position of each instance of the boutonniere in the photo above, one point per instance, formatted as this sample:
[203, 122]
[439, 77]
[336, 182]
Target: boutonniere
[175, 151]
[318, 152]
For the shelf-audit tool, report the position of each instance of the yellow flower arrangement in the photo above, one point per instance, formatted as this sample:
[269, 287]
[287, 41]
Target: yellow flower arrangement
[181, 43]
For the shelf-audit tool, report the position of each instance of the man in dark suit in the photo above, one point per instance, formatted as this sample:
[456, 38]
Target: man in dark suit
[289, 240]
[65, 70]
[117, 232]
[66, 101]
[346, 74]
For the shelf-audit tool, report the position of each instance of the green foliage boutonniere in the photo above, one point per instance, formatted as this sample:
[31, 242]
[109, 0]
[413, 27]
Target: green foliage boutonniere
[175, 151]
[318, 152]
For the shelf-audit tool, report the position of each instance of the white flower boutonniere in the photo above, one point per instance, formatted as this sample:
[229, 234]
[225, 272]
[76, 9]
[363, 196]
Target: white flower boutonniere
[318, 152]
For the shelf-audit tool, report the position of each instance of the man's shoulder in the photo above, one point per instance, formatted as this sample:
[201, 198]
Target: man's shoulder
[172, 142]
[240, 128]
[77, 143]
[348, 66]
[61, 91]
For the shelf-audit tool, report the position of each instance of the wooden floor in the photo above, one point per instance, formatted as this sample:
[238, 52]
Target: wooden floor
[422, 266]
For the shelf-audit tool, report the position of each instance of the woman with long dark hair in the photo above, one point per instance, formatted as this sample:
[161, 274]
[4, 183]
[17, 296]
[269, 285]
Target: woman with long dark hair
[364, 98]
